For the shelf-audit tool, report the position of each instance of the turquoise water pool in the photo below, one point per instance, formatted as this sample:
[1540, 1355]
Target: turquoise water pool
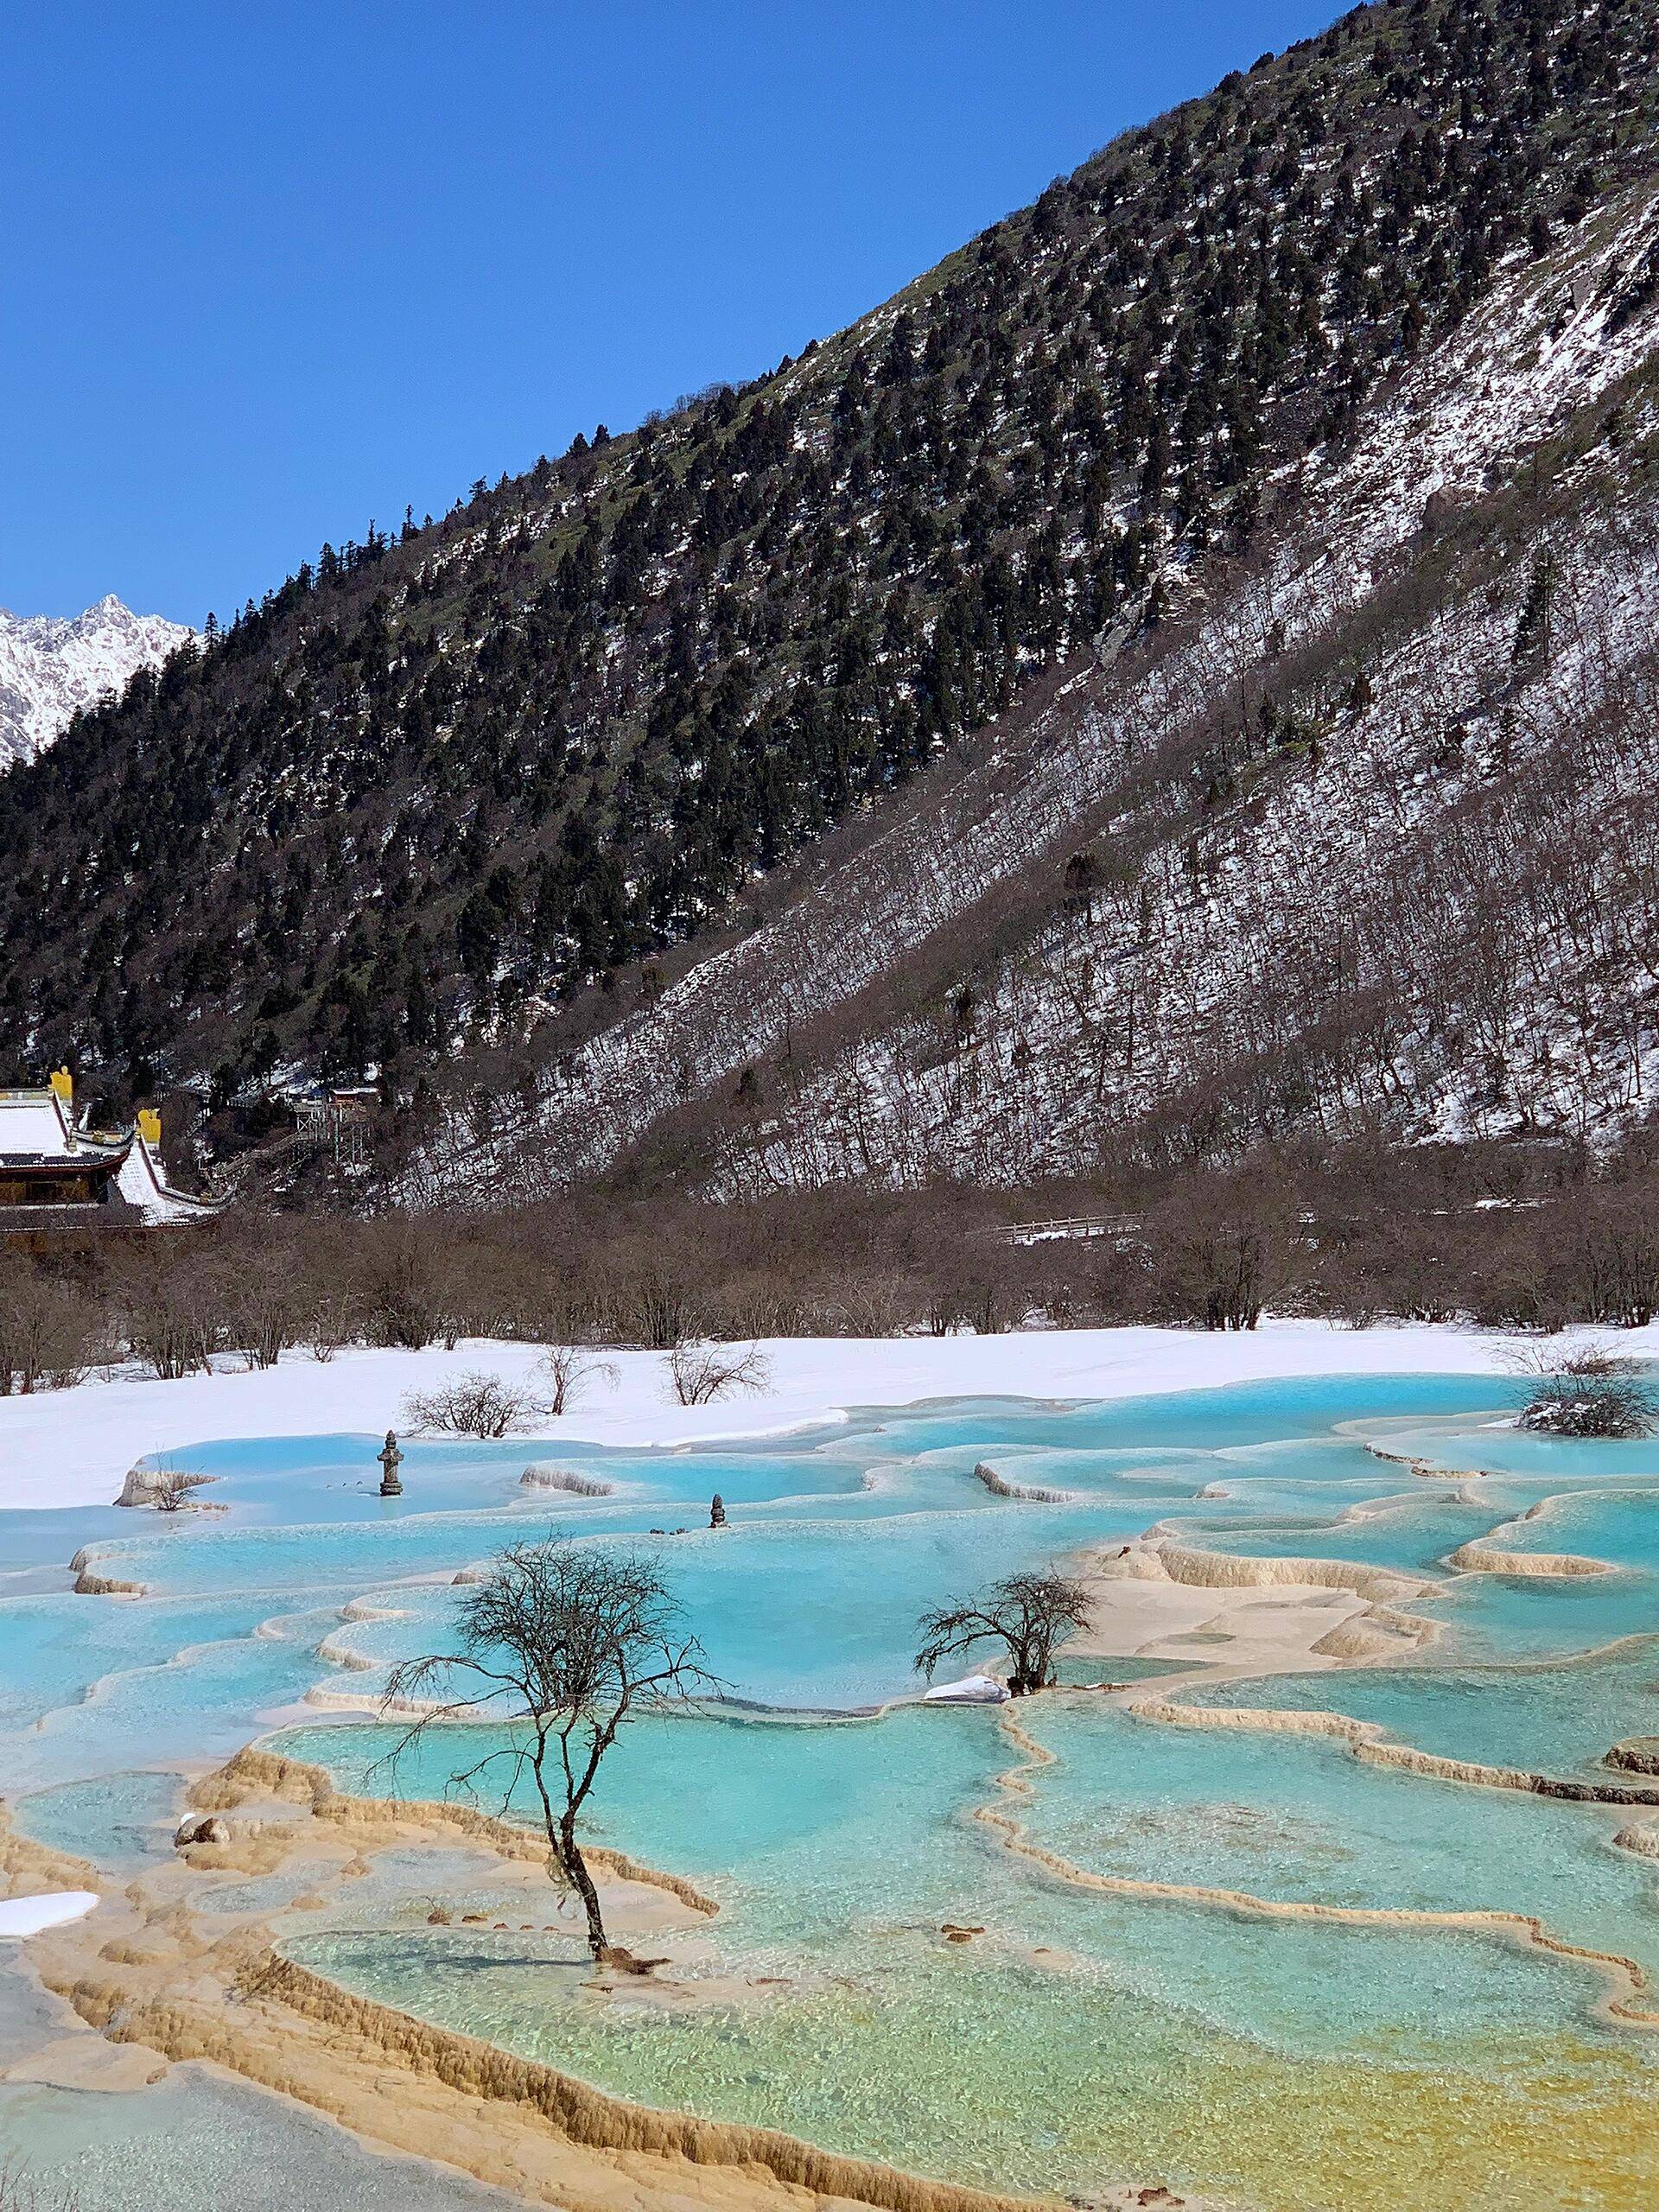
[1226, 2049]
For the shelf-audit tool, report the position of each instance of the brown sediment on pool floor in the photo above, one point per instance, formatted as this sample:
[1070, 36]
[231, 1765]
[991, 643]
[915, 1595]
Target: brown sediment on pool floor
[1628, 1983]
[254, 1774]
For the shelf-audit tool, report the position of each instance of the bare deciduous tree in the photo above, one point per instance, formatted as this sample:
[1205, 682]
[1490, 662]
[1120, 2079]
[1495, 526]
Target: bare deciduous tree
[476, 1404]
[1221, 1253]
[569, 1368]
[332, 1321]
[568, 1644]
[262, 1315]
[1026, 1614]
[173, 1311]
[659, 1311]
[700, 1374]
[44, 1332]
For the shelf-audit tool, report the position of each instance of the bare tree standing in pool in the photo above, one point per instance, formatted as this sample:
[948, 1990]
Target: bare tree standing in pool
[569, 1643]
[1026, 1614]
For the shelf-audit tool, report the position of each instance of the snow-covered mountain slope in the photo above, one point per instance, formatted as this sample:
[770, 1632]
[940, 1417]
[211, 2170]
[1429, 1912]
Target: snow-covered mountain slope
[53, 665]
[1339, 847]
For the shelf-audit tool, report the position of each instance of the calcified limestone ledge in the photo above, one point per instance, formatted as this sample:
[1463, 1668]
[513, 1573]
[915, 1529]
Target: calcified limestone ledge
[345, 1656]
[1367, 1741]
[162, 1981]
[1362, 1638]
[144, 1485]
[1626, 1984]
[1374, 1629]
[254, 1772]
[28, 1866]
[1483, 1558]
[1487, 1556]
[537, 1476]
[588, 2117]
[999, 1486]
[1239, 1570]
[88, 1585]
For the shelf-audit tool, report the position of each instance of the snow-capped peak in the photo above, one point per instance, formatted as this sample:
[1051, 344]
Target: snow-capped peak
[51, 665]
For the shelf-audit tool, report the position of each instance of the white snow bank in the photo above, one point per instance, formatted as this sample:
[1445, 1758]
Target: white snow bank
[74, 1447]
[29, 1916]
[972, 1689]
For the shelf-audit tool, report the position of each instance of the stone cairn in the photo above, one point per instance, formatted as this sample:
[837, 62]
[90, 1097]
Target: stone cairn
[717, 1512]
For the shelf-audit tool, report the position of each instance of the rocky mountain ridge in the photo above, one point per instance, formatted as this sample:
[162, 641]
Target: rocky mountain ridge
[1179, 910]
[53, 667]
[1024, 729]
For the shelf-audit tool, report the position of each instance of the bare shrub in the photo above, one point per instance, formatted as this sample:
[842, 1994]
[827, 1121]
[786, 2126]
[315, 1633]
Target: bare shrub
[1589, 1392]
[700, 1374]
[263, 1314]
[402, 1293]
[871, 1307]
[170, 1488]
[475, 1403]
[569, 1368]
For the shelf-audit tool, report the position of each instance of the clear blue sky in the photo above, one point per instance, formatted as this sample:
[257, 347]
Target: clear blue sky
[271, 270]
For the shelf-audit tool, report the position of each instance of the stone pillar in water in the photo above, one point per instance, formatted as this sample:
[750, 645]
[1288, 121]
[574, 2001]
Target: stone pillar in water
[390, 1460]
[717, 1512]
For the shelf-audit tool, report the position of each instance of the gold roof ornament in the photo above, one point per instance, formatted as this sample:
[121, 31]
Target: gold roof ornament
[150, 1127]
[64, 1083]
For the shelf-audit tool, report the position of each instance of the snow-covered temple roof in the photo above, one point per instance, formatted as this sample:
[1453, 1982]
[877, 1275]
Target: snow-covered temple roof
[143, 1186]
[34, 1124]
[55, 1173]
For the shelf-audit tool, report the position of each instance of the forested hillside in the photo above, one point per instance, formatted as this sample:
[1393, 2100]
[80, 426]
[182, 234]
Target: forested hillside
[1011, 581]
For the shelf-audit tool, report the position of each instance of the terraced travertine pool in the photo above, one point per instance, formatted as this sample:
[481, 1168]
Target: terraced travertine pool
[1226, 1951]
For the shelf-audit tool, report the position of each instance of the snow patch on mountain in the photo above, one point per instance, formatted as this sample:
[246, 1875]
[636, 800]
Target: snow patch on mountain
[51, 666]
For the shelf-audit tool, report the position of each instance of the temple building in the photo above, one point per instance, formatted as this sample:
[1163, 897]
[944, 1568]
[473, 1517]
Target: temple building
[57, 1177]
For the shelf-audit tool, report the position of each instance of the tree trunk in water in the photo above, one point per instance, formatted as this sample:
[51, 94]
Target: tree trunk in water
[577, 1868]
